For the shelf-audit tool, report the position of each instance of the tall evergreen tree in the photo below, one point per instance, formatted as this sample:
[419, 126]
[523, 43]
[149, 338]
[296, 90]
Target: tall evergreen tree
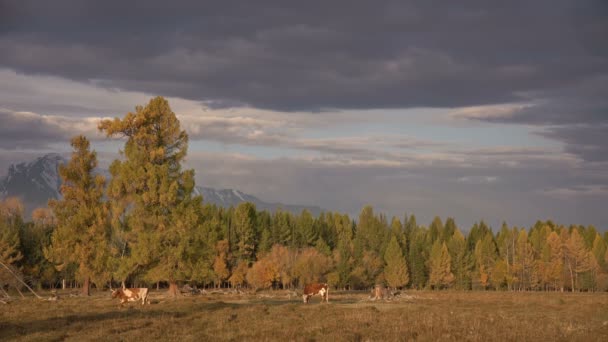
[485, 257]
[435, 230]
[11, 211]
[152, 196]
[440, 266]
[83, 232]
[524, 261]
[244, 225]
[417, 258]
[306, 229]
[462, 264]
[577, 257]
[395, 269]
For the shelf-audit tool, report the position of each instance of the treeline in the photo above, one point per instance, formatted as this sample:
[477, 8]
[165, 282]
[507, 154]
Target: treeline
[245, 247]
[143, 226]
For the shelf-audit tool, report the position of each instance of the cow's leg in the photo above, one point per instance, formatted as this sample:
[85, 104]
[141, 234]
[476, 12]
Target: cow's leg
[304, 299]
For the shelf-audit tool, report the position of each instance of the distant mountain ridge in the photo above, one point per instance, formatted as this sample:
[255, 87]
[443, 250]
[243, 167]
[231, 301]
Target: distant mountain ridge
[230, 197]
[37, 181]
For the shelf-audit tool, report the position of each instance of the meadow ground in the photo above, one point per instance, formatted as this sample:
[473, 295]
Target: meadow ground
[419, 315]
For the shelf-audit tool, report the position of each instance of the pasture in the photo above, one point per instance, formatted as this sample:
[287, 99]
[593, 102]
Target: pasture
[277, 315]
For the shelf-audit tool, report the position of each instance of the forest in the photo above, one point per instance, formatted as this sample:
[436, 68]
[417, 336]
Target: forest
[143, 226]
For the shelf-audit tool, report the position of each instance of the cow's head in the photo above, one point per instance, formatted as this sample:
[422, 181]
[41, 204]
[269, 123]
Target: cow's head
[115, 293]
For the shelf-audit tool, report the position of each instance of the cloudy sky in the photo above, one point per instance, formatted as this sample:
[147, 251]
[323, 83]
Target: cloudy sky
[494, 110]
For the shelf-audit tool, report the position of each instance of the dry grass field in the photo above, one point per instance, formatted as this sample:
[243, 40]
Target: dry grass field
[421, 316]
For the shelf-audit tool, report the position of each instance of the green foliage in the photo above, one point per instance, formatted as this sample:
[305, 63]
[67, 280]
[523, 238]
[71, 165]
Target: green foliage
[82, 236]
[395, 269]
[440, 264]
[151, 196]
[417, 257]
[462, 262]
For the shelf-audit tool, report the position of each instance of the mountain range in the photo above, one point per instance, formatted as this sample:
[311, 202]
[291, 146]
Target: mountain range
[37, 181]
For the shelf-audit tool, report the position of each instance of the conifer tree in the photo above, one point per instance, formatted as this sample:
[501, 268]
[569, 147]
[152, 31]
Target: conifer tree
[244, 225]
[395, 269]
[220, 263]
[398, 232]
[577, 257]
[462, 263]
[35, 237]
[10, 243]
[370, 233]
[343, 259]
[485, 257]
[448, 229]
[417, 257]
[440, 266]
[151, 195]
[435, 230]
[306, 229]
[524, 260]
[83, 232]
[599, 250]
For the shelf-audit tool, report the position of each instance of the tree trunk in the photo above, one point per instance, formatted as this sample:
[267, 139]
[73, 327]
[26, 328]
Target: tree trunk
[86, 287]
[173, 291]
[63, 284]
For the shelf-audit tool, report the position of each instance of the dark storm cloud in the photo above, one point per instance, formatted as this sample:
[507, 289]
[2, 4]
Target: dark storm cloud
[315, 54]
[576, 115]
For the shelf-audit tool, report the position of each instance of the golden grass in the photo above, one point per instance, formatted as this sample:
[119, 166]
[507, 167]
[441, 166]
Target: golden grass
[428, 316]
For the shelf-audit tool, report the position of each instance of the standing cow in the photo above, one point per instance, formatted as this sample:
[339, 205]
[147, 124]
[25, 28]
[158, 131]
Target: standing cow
[314, 289]
[131, 295]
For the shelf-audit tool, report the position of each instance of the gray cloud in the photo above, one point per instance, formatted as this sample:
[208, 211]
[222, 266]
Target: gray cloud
[576, 115]
[26, 130]
[541, 63]
[16, 131]
[314, 55]
[535, 189]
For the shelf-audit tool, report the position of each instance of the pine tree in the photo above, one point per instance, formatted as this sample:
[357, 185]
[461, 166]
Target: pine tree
[417, 257]
[221, 261]
[485, 257]
[151, 195]
[440, 266]
[306, 229]
[11, 211]
[448, 229]
[462, 263]
[506, 241]
[577, 257]
[35, 237]
[435, 230]
[524, 260]
[370, 233]
[343, 259]
[599, 250]
[243, 222]
[397, 231]
[83, 232]
[395, 269]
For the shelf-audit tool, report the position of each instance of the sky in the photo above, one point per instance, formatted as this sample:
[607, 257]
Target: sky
[493, 110]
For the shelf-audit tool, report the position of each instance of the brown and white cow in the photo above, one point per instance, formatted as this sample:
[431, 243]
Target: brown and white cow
[316, 289]
[131, 295]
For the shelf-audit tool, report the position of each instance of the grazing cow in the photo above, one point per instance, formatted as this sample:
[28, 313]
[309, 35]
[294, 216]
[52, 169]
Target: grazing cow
[131, 295]
[314, 289]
